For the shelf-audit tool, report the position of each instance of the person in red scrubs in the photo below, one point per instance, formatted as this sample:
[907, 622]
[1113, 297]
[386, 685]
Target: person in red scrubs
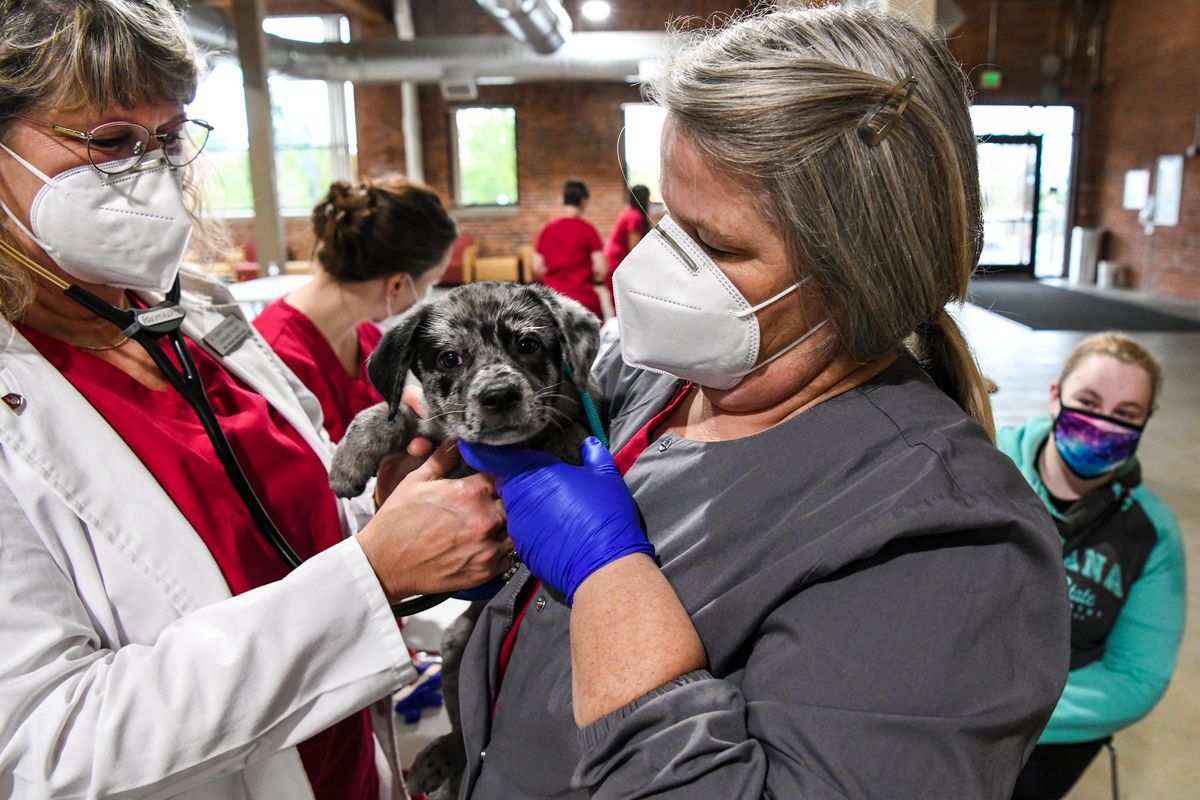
[381, 246]
[568, 255]
[152, 642]
[627, 231]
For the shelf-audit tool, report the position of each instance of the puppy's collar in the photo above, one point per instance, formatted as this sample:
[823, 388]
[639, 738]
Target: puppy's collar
[589, 406]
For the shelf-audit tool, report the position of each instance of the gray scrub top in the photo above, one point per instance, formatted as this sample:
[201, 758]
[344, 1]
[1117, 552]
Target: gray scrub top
[880, 594]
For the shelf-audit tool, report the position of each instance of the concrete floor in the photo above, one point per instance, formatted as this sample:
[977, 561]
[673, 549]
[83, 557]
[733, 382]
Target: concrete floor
[1159, 757]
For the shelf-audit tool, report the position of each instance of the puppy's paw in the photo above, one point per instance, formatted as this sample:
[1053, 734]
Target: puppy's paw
[347, 481]
[370, 437]
[440, 763]
[447, 791]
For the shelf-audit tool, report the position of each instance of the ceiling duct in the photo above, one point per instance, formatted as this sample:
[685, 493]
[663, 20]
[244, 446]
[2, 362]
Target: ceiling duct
[541, 24]
[599, 56]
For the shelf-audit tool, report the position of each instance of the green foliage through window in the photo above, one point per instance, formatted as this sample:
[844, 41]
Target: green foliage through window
[486, 156]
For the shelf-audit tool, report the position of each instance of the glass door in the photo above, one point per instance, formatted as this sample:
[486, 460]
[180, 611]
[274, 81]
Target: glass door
[1010, 181]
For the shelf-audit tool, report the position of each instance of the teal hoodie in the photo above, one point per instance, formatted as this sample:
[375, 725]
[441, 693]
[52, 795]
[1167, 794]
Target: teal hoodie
[1140, 652]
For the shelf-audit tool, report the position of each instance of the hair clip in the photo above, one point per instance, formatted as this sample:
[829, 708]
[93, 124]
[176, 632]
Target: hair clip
[898, 95]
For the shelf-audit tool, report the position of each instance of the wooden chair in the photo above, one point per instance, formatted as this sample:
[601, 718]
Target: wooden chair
[462, 261]
[526, 261]
[496, 268]
[299, 268]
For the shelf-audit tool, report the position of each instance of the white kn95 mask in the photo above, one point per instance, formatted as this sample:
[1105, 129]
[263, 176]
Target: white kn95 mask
[680, 315]
[128, 230]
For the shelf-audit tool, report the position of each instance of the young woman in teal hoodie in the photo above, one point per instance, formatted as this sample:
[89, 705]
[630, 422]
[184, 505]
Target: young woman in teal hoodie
[1121, 548]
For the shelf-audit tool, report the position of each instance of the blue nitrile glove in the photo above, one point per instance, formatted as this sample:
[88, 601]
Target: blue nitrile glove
[565, 521]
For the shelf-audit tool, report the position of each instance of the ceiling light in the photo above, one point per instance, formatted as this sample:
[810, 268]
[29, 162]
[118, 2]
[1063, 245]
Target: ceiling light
[596, 10]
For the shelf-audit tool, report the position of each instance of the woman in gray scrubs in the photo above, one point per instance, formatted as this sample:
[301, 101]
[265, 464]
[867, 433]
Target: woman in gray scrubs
[832, 584]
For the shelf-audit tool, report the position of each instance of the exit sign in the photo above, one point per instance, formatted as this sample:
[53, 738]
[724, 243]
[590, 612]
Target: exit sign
[990, 78]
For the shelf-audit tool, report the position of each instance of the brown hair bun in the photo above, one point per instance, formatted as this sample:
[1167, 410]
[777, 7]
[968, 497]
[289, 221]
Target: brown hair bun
[378, 228]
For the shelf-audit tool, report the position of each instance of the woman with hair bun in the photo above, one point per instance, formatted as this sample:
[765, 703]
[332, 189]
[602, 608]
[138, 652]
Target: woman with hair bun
[381, 245]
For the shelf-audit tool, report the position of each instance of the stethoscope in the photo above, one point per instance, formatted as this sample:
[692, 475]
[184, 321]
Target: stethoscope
[148, 327]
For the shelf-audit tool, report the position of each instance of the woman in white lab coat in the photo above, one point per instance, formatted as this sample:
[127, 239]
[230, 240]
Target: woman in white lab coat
[152, 642]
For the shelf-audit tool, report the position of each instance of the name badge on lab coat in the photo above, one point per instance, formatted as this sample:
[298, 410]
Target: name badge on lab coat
[228, 336]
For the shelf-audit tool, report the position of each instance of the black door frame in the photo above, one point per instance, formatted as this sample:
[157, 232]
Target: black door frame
[1036, 141]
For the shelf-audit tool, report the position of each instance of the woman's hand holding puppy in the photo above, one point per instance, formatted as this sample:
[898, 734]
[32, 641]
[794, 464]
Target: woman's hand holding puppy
[434, 534]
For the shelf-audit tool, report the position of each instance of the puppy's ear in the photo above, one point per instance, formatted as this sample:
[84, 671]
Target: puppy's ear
[577, 329]
[388, 366]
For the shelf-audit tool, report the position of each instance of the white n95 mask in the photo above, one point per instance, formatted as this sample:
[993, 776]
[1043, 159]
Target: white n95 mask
[679, 315]
[128, 230]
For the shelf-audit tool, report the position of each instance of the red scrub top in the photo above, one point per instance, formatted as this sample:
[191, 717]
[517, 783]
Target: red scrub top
[166, 435]
[308, 353]
[617, 247]
[567, 245]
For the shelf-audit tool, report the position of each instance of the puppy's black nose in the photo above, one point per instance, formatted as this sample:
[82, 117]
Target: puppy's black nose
[498, 399]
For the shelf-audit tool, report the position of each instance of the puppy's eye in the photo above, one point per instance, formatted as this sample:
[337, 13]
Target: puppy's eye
[528, 344]
[449, 360]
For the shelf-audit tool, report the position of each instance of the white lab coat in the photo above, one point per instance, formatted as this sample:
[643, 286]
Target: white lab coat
[126, 669]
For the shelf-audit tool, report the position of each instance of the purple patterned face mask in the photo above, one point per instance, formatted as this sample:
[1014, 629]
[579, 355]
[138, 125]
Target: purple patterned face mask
[1092, 445]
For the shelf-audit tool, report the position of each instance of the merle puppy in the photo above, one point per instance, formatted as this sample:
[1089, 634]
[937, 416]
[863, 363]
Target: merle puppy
[499, 363]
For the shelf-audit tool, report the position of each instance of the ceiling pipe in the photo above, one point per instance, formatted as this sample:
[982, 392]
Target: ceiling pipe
[585, 56]
[541, 24]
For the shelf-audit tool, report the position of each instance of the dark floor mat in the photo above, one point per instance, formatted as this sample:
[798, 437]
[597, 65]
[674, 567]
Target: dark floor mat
[1050, 308]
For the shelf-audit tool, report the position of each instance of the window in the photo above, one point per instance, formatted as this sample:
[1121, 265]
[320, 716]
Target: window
[224, 166]
[314, 127]
[484, 152]
[643, 129]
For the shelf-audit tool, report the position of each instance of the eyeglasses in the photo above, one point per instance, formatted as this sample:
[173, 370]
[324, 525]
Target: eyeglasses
[117, 147]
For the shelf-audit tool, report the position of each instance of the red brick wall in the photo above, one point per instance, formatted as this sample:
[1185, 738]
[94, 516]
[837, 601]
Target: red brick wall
[564, 130]
[1143, 106]
[1147, 107]
[1026, 31]
[1138, 101]
[378, 111]
[570, 129]
[297, 234]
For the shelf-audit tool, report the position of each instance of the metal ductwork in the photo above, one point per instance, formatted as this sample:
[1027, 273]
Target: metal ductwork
[486, 59]
[541, 24]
